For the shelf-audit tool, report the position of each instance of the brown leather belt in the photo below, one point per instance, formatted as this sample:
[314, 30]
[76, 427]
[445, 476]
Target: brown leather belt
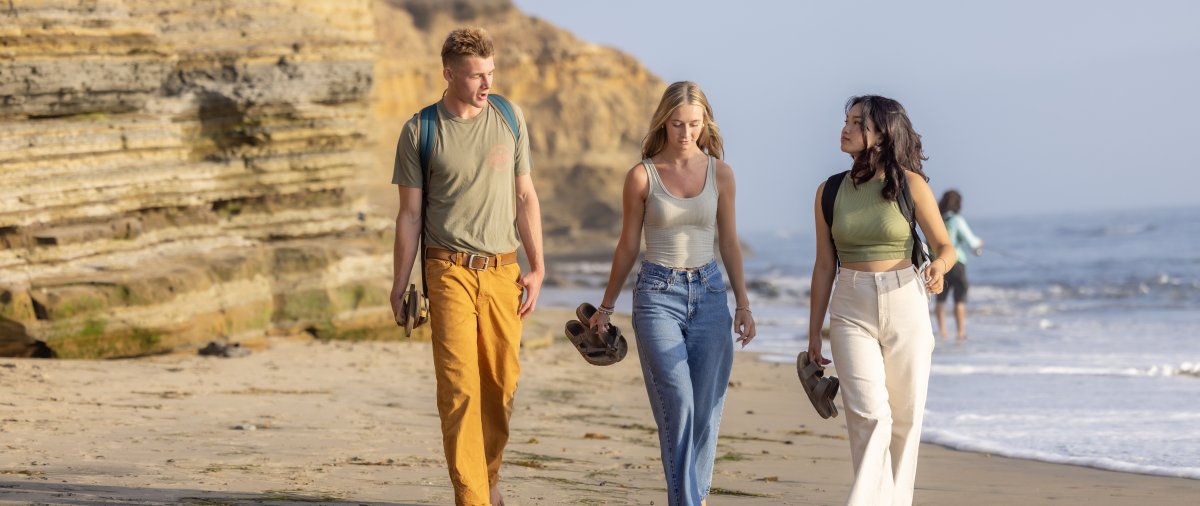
[472, 260]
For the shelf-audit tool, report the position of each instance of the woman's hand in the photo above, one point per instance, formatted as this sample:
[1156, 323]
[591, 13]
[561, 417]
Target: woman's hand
[599, 321]
[743, 325]
[814, 351]
[935, 276]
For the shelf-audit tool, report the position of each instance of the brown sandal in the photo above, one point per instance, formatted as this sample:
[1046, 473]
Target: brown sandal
[820, 390]
[415, 312]
[606, 347]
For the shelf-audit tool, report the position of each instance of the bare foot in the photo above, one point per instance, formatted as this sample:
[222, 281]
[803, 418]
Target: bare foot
[497, 498]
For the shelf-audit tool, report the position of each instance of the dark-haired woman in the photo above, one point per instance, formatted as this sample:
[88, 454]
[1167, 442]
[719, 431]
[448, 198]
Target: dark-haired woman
[880, 332]
[956, 279]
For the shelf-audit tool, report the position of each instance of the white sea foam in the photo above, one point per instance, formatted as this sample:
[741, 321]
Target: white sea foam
[959, 441]
[1184, 369]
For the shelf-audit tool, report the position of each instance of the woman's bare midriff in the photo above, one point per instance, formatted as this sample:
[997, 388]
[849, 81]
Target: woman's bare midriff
[878, 265]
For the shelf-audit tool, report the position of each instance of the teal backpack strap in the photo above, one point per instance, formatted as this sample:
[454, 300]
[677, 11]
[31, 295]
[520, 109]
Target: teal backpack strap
[427, 133]
[508, 113]
[427, 126]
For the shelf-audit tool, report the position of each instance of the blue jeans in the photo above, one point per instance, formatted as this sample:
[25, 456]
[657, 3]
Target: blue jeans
[685, 342]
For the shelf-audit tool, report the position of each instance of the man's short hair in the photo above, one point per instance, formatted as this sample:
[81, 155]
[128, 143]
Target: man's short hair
[469, 41]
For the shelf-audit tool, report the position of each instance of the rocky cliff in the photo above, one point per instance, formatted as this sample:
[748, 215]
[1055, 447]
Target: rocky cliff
[174, 172]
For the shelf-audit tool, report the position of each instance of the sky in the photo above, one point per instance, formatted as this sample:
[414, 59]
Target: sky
[1026, 107]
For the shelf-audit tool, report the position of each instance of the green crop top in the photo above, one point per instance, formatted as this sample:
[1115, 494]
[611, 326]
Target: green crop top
[866, 226]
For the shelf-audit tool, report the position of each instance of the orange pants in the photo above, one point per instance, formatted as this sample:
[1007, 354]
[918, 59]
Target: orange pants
[476, 339]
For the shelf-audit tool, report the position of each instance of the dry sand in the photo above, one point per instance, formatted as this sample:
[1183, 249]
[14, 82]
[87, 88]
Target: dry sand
[355, 423]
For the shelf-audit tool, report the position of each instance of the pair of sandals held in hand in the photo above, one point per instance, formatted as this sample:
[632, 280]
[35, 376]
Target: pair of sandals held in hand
[598, 346]
[415, 311]
[607, 346]
[820, 390]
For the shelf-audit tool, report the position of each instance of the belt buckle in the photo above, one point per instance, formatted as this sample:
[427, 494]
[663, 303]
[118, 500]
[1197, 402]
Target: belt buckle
[487, 260]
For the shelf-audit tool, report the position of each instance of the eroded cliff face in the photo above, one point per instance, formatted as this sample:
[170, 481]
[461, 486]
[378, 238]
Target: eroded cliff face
[173, 172]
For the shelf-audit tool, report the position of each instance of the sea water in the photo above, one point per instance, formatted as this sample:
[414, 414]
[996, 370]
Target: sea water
[1084, 337]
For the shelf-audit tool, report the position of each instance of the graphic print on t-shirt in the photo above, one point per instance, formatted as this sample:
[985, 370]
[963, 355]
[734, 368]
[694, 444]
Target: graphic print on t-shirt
[500, 157]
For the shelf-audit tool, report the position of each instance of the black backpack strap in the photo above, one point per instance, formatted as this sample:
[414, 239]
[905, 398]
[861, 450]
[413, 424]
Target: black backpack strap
[920, 252]
[828, 196]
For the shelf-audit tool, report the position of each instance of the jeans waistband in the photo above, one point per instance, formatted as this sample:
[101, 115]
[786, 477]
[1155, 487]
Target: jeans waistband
[706, 271]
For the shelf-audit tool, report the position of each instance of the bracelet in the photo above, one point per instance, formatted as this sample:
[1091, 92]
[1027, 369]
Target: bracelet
[605, 310]
[943, 262]
[746, 309]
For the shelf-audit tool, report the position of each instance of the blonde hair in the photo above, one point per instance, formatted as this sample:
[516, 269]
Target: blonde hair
[680, 94]
[468, 41]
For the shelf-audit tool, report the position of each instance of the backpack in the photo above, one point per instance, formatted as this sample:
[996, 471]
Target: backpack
[427, 135]
[920, 251]
[427, 126]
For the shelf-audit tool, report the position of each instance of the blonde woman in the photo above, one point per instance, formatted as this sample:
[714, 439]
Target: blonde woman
[880, 332]
[681, 196]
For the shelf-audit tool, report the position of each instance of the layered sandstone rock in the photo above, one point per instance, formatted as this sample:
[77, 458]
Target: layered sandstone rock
[172, 172]
[177, 171]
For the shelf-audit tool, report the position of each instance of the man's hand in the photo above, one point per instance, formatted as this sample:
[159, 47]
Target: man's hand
[532, 281]
[397, 300]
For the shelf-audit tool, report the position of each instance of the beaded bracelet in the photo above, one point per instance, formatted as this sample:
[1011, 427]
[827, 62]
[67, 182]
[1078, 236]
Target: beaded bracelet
[605, 310]
[746, 309]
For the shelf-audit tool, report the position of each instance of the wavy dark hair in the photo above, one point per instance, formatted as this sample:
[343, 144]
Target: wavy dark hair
[951, 202]
[899, 147]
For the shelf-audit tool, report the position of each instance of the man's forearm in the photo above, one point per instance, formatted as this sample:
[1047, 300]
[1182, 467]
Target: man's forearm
[404, 249]
[529, 225]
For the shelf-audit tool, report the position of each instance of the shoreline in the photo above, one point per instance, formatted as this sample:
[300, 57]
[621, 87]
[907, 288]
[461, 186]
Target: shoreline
[354, 423]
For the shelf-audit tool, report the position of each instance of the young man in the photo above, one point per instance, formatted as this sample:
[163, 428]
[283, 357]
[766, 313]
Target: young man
[480, 206]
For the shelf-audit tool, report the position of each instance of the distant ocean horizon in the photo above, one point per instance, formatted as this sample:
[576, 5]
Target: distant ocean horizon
[1084, 334]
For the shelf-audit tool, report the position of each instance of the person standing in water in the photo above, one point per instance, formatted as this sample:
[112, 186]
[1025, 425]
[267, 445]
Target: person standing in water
[956, 280]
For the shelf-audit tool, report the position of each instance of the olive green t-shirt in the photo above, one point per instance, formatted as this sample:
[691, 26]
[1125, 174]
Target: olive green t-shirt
[867, 226]
[471, 202]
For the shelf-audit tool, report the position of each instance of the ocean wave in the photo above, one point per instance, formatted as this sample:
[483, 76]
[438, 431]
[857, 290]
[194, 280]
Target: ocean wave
[777, 358]
[1184, 369]
[1188, 369]
[957, 441]
[1155, 290]
[1112, 230]
[584, 267]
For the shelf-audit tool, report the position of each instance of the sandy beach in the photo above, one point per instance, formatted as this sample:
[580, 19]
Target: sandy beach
[307, 422]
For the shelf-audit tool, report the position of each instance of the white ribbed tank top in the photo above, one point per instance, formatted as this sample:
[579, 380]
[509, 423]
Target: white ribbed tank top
[679, 232]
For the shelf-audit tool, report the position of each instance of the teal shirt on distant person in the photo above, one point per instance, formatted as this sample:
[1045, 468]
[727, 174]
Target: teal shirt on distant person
[964, 241]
